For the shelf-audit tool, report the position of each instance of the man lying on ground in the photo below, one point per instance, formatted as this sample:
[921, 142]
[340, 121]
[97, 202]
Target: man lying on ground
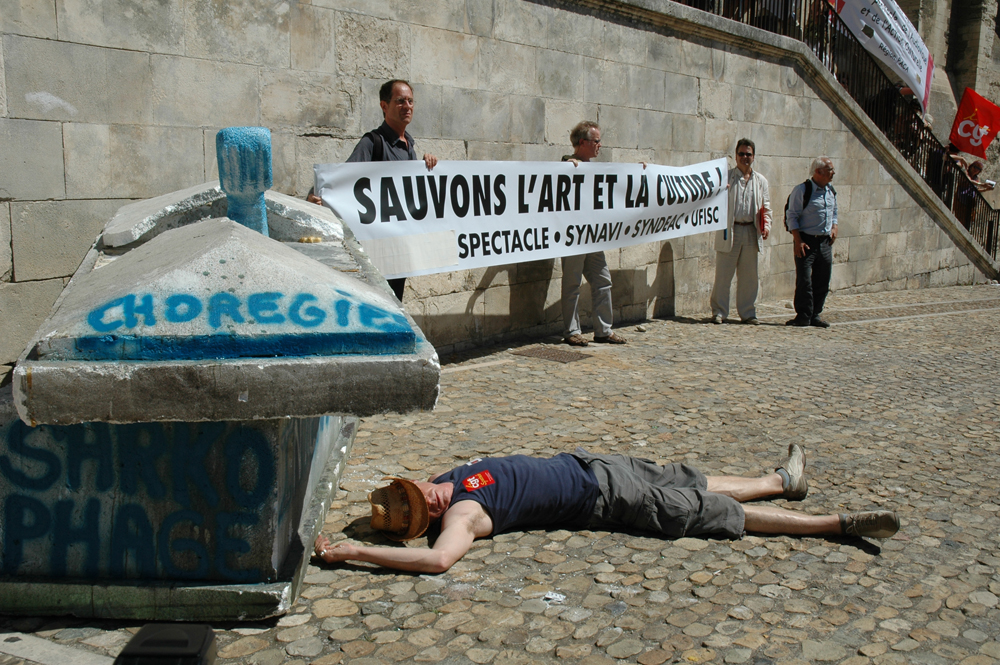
[587, 491]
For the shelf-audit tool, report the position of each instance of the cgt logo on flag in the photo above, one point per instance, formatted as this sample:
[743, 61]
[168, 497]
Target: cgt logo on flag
[976, 124]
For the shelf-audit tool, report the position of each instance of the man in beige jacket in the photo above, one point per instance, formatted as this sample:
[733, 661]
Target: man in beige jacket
[737, 246]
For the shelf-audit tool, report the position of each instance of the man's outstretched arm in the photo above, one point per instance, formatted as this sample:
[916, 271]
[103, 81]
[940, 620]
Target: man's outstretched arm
[461, 525]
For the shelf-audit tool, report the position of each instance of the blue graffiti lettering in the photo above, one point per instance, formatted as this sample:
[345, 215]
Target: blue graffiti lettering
[376, 317]
[192, 465]
[343, 308]
[17, 443]
[139, 446]
[64, 535]
[317, 316]
[190, 462]
[19, 528]
[223, 304]
[238, 445]
[146, 309]
[269, 307]
[89, 443]
[263, 308]
[196, 552]
[224, 544]
[132, 533]
[192, 308]
[96, 317]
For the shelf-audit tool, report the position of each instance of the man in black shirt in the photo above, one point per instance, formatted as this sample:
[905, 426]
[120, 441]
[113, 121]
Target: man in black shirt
[390, 142]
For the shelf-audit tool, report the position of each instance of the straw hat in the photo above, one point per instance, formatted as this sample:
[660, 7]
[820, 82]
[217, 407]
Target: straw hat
[399, 510]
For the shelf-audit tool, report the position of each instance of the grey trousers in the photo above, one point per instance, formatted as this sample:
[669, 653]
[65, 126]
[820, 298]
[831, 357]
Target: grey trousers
[594, 267]
[741, 261]
[668, 500]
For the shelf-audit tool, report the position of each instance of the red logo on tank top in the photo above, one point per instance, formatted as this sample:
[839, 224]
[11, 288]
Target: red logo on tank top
[481, 479]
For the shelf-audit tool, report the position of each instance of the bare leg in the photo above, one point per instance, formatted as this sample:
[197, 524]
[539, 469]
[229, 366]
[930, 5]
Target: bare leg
[765, 519]
[745, 489]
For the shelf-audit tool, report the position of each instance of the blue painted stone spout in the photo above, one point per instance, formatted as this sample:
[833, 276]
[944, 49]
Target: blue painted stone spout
[244, 155]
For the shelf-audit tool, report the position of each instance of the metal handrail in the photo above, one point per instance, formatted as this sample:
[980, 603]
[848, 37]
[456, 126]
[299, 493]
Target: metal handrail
[820, 28]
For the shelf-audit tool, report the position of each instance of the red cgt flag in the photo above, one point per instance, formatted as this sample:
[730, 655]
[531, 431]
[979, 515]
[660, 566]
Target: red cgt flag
[976, 124]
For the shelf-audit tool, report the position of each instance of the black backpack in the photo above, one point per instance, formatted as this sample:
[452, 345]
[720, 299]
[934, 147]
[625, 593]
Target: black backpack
[806, 195]
[378, 151]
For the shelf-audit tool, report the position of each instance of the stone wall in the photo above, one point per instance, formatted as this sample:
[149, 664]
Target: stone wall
[102, 102]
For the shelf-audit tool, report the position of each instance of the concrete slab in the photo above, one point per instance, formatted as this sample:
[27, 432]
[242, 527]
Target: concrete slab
[216, 289]
[135, 220]
[247, 389]
[158, 383]
[288, 218]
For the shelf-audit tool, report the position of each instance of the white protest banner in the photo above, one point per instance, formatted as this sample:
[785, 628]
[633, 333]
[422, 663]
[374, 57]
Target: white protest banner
[885, 31]
[461, 215]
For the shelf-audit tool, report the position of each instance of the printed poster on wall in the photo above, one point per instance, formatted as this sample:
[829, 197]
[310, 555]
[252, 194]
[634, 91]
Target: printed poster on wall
[469, 214]
[885, 31]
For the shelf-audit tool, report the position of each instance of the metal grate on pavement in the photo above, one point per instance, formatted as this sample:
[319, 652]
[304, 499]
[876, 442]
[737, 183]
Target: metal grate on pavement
[550, 353]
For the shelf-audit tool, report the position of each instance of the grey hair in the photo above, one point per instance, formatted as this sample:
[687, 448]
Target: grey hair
[819, 163]
[581, 132]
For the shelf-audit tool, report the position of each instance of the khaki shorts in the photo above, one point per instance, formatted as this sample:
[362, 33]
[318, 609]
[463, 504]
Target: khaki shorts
[667, 500]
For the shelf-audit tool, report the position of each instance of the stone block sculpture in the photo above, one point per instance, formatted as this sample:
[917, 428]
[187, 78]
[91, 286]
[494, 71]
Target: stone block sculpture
[244, 155]
[186, 409]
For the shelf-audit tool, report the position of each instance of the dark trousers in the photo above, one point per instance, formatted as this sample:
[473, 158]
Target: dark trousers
[812, 276]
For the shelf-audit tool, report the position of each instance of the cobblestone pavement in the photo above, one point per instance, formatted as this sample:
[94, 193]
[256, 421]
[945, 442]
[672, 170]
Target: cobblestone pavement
[896, 404]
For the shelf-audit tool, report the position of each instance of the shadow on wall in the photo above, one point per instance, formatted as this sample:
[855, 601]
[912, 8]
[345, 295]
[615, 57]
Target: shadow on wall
[527, 304]
[662, 290]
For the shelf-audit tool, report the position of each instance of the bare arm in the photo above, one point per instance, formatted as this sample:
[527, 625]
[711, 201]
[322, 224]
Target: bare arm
[461, 525]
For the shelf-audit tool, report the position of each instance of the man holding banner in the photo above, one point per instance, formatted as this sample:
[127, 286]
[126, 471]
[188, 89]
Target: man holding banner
[477, 214]
[390, 142]
[586, 140]
[737, 246]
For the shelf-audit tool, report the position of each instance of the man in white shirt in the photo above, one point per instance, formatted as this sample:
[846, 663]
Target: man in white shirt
[737, 246]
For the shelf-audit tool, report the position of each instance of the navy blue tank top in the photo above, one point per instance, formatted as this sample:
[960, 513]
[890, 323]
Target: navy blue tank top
[521, 492]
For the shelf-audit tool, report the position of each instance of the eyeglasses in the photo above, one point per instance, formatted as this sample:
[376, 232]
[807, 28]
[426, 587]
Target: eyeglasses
[745, 154]
[594, 141]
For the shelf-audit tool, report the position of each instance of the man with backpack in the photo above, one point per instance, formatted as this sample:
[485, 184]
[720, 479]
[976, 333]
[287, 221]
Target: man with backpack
[390, 142]
[811, 217]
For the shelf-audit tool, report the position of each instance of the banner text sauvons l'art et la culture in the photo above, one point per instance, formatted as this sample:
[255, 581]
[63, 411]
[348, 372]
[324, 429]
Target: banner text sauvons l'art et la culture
[466, 214]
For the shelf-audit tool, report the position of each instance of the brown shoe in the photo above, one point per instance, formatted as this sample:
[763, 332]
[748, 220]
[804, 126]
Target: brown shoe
[613, 338]
[577, 340]
[872, 524]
